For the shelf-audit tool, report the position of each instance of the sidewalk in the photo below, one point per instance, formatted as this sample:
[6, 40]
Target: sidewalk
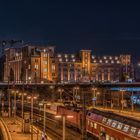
[14, 127]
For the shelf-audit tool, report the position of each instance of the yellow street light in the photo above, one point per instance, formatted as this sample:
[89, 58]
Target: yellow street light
[64, 116]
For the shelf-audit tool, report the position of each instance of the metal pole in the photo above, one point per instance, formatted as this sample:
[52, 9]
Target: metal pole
[132, 102]
[94, 97]
[73, 95]
[15, 104]
[61, 95]
[44, 120]
[22, 109]
[122, 100]
[84, 116]
[9, 100]
[2, 106]
[32, 117]
[64, 127]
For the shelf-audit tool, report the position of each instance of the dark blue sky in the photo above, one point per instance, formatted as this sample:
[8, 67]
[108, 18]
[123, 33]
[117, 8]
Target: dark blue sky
[105, 27]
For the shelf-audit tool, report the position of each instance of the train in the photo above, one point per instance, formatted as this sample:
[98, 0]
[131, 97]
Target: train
[103, 125]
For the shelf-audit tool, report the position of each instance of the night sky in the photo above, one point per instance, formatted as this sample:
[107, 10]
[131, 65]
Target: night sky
[106, 27]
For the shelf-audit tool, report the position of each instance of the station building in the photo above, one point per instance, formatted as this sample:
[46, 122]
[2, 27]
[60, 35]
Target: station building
[32, 63]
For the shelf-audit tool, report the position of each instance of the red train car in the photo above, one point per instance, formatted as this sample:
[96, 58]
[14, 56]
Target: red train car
[103, 126]
[75, 120]
[110, 129]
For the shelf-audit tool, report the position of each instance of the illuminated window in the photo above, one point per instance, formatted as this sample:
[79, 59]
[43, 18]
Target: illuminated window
[53, 67]
[45, 54]
[72, 56]
[36, 66]
[93, 56]
[66, 55]
[112, 61]
[59, 55]
[116, 58]
[88, 122]
[118, 62]
[29, 66]
[91, 124]
[95, 125]
[110, 57]
[45, 77]
[94, 61]
[104, 57]
[100, 61]
[45, 62]
[73, 60]
[60, 59]
[45, 69]
[106, 61]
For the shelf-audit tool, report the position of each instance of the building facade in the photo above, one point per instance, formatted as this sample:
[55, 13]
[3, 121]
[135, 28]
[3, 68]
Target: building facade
[41, 64]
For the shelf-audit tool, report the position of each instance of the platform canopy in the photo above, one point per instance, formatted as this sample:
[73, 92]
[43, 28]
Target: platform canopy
[126, 88]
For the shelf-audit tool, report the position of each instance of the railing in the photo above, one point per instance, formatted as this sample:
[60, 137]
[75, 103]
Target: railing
[5, 132]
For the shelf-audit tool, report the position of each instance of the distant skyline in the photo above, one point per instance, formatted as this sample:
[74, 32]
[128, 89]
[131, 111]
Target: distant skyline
[106, 27]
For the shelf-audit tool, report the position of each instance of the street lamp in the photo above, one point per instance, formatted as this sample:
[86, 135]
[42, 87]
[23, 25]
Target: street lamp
[132, 102]
[9, 97]
[44, 124]
[15, 93]
[122, 99]
[60, 90]
[94, 95]
[22, 106]
[32, 98]
[64, 116]
[75, 95]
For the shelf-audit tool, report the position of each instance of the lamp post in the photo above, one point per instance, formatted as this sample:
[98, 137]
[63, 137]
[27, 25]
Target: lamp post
[14, 108]
[64, 116]
[44, 119]
[9, 97]
[94, 95]
[132, 103]
[60, 91]
[32, 103]
[122, 99]
[22, 105]
[75, 91]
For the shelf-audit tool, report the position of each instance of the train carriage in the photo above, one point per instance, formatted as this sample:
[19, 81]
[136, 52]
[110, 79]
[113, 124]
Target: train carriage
[105, 125]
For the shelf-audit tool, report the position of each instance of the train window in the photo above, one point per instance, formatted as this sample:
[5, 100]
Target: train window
[95, 125]
[119, 126]
[109, 122]
[91, 124]
[114, 124]
[88, 122]
[112, 138]
[138, 133]
[89, 114]
[104, 120]
[133, 130]
[126, 128]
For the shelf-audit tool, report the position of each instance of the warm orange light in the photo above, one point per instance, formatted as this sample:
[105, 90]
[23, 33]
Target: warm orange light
[58, 116]
[69, 116]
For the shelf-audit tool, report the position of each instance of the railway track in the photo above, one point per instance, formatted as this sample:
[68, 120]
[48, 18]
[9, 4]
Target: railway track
[54, 127]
